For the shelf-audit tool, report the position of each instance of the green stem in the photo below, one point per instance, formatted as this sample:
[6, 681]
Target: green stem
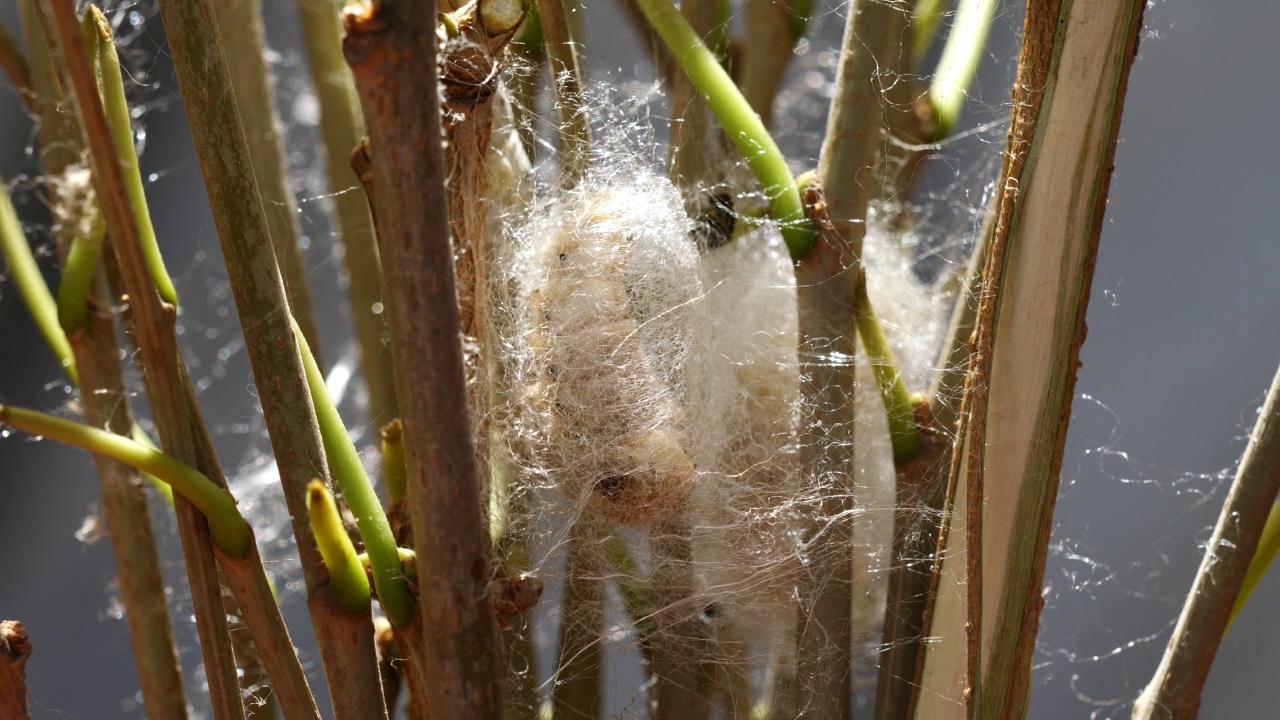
[230, 531]
[347, 581]
[26, 276]
[97, 36]
[959, 62]
[78, 272]
[740, 122]
[925, 17]
[393, 473]
[348, 471]
[904, 432]
[341, 127]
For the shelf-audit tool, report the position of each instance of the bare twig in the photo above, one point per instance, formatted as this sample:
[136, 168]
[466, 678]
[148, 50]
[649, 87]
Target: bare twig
[577, 691]
[391, 47]
[124, 507]
[768, 52]
[566, 73]
[1174, 691]
[827, 282]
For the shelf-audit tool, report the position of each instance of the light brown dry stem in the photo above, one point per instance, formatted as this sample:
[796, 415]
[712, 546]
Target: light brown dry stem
[1067, 104]
[1174, 691]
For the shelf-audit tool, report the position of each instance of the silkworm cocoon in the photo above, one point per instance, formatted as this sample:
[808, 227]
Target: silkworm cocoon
[617, 274]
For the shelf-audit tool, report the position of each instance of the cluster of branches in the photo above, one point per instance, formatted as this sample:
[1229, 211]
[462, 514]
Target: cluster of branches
[409, 93]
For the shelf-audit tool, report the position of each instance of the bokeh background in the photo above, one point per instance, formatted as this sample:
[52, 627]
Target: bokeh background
[1182, 344]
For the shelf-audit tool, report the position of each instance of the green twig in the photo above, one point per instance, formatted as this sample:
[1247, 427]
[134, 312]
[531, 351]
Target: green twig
[341, 128]
[78, 272]
[102, 51]
[348, 472]
[228, 528]
[904, 432]
[347, 580]
[959, 63]
[740, 122]
[26, 277]
[393, 461]
[925, 17]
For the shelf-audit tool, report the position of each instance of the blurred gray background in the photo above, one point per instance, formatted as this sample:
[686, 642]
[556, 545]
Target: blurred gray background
[1182, 345]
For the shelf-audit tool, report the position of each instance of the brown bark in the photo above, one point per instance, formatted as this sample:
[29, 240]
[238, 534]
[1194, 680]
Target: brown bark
[15, 648]
[391, 48]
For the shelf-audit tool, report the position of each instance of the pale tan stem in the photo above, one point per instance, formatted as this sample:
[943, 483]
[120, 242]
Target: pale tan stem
[1068, 99]
[1174, 691]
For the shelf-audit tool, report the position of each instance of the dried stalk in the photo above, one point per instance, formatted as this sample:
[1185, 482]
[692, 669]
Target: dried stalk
[124, 507]
[242, 34]
[577, 692]
[15, 648]
[341, 128]
[1174, 691]
[274, 356]
[566, 73]
[388, 45]
[921, 486]
[152, 325]
[1067, 105]
[828, 281]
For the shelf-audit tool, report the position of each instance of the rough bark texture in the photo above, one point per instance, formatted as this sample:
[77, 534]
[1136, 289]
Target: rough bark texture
[15, 648]
[391, 47]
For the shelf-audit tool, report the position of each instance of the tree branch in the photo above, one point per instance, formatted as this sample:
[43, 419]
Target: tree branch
[391, 47]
